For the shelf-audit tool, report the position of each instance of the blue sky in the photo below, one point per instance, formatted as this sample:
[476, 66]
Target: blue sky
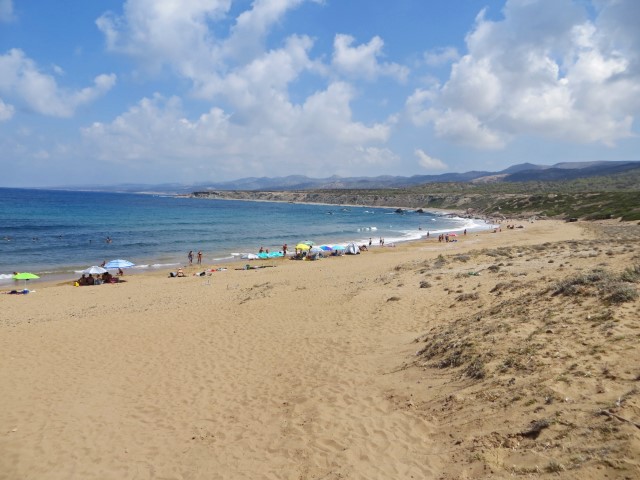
[151, 91]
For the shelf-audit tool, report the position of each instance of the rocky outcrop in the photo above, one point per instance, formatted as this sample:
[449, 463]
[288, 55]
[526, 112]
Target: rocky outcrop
[399, 200]
[523, 201]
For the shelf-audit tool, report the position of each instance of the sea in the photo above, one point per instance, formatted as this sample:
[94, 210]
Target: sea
[56, 234]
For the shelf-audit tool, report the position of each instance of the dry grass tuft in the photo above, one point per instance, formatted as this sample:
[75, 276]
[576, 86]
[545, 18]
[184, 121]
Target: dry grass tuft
[557, 355]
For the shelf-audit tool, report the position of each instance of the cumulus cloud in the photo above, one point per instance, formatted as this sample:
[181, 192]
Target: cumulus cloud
[179, 35]
[546, 69]
[318, 134]
[237, 68]
[251, 124]
[252, 26]
[429, 162]
[21, 79]
[165, 33]
[263, 79]
[362, 60]
[6, 111]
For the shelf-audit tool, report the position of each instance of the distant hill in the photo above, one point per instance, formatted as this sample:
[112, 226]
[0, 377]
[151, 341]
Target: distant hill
[567, 171]
[525, 172]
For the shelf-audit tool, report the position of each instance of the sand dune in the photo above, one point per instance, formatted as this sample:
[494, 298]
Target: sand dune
[309, 370]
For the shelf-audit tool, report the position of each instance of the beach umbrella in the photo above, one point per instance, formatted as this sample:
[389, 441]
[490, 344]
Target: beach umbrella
[308, 242]
[25, 276]
[302, 246]
[338, 247]
[326, 248]
[94, 270]
[119, 264]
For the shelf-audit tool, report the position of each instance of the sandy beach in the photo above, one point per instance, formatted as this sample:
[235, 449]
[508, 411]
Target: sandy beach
[489, 357]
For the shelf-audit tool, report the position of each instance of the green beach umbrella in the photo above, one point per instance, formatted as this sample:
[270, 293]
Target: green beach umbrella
[25, 276]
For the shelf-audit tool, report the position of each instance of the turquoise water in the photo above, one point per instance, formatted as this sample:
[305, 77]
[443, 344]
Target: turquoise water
[58, 232]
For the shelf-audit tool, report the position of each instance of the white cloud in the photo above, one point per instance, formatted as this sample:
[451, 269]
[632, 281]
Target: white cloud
[362, 60]
[165, 32]
[21, 79]
[6, 111]
[263, 79]
[428, 162]
[178, 35]
[252, 26]
[238, 68]
[156, 130]
[441, 56]
[373, 156]
[318, 134]
[464, 128]
[6, 11]
[544, 70]
[252, 126]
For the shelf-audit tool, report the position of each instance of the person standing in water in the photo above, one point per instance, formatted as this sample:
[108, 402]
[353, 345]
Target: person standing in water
[190, 257]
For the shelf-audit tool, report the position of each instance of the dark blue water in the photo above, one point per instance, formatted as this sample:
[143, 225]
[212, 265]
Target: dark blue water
[45, 231]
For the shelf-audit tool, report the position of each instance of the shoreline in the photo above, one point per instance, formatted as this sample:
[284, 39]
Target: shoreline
[67, 277]
[152, 264]
[230, 262]
[437, 211]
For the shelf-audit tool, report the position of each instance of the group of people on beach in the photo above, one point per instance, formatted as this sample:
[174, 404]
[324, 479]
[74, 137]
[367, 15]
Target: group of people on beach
[190, 257]
[447, 237]
[106, 277]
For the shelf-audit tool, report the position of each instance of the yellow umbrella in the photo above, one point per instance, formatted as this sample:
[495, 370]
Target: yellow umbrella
[302, 246]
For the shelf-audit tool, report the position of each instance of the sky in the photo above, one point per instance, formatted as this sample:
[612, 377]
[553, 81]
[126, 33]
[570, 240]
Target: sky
[192, 91]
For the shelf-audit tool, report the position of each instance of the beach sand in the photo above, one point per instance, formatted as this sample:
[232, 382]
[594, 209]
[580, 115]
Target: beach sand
[428, 360]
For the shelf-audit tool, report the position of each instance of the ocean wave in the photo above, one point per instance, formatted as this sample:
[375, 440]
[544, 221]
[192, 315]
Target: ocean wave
[222, 259]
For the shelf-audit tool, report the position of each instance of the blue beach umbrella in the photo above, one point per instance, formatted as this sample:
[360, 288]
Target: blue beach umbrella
[338, 247]
[119, 264]
[326, 248]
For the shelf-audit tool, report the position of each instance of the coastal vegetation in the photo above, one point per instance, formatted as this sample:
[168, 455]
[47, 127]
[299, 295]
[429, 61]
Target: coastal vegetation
[593, 198]
[538, 339]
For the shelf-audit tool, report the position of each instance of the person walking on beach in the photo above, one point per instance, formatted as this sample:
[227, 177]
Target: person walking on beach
[199, 257]
[190, 257]
[284, 250]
